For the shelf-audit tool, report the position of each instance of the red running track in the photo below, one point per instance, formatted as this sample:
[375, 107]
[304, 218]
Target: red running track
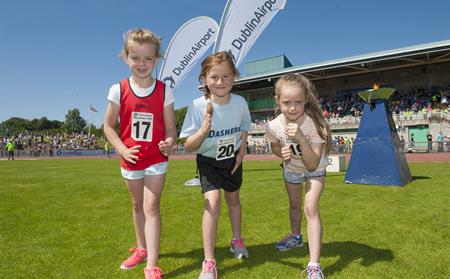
[410, 157]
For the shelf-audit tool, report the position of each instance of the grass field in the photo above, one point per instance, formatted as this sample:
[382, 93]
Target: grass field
[72, 219]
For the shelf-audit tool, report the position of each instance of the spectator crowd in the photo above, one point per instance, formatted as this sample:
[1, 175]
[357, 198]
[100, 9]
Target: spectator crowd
[345, 104]
[37, 144]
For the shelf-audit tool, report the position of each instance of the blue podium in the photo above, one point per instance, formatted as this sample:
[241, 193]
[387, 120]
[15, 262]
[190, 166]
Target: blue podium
[377, 156]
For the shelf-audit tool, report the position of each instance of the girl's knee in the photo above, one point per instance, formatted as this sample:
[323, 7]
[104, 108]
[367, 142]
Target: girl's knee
[138, 207]
[233, 202]
[295, 207]
[311, 210]
[151, 209]
[295, 204]
[212, 207]
[213, 211]
[232, 199]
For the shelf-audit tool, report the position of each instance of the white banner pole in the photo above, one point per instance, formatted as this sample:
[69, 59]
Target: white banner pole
[241, 24]
[187, 46]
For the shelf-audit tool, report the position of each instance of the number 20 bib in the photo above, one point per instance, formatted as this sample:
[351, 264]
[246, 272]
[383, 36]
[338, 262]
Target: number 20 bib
[225, 148]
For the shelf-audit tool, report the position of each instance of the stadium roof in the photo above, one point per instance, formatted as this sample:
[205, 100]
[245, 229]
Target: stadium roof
[406, 57]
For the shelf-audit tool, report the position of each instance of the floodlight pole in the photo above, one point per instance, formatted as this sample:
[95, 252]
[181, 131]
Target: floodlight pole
[89, 127]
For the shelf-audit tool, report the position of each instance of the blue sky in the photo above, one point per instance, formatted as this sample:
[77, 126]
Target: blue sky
[57, 55]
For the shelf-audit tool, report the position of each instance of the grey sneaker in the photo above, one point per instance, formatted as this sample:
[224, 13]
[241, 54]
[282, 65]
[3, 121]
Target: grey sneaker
[209, 269]
[313, 272]
[289, 242]
[238, 248]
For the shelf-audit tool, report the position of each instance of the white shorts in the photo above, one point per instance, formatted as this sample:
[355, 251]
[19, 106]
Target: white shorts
[155, 169]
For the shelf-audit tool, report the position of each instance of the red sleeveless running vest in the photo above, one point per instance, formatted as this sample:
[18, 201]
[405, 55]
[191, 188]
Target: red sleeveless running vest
[142, 123]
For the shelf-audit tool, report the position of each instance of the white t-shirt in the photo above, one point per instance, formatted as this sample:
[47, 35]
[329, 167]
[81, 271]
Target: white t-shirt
[227, 123]
[275, 133]
[114, 93]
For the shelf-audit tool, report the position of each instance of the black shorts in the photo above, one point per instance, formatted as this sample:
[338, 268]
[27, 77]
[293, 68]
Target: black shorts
[217, 174]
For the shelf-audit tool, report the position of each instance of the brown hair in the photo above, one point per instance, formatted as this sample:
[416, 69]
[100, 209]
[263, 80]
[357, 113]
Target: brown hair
[140, 36]
[213, 60]
[312, 106]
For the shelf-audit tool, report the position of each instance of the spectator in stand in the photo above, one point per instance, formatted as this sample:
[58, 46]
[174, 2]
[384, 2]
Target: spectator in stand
[412, 141]
[440, 141]
[10, 148]
[446, 143]
[402, 143]
[434, 100]
[430, 142]
[444, 100]
[107, 149]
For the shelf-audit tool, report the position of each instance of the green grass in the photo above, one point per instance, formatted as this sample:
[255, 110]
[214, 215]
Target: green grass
[72, 219]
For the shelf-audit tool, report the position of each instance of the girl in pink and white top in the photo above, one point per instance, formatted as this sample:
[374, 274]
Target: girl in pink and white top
[302, 138]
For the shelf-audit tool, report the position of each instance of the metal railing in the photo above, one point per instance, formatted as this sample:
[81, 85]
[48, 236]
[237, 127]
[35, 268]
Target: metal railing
[408, 147]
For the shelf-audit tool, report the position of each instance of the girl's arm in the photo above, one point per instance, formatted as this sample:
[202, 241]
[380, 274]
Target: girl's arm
[109, 125]
[242, 150]
[193, 142]
[276, 148]
[311, 153]
[166, 145]
[284, 152]
[279, 149]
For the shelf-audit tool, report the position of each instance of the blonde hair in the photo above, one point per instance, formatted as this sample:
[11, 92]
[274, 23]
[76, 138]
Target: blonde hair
[312, 107]
[140, 36]
[213, 60]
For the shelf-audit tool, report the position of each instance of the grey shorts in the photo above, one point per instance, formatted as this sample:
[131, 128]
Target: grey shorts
[299, 178]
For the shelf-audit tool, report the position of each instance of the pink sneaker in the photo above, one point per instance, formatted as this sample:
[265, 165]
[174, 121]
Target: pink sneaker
[153, 273]
[139, 255]
[238, 248]
[209, 269]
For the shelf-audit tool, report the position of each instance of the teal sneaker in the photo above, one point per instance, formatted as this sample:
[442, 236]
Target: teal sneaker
[313, 272]
[289, 242]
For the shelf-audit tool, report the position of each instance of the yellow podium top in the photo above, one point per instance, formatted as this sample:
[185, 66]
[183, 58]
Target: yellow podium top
[376, 94]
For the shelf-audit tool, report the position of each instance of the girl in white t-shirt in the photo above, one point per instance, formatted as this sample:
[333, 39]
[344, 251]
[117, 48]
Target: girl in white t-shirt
[216, 127]
[302, 138]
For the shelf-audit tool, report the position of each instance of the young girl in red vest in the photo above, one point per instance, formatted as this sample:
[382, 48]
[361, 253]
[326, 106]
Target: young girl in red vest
[147, 135]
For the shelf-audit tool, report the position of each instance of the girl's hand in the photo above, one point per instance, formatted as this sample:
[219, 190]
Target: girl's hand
[237, 164]
[129, 154]
[286, 153]
[166, 146]
[293, 131]
[206, 124]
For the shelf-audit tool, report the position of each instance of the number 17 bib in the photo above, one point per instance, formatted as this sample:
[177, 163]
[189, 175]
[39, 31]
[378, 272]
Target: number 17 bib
[142, 126]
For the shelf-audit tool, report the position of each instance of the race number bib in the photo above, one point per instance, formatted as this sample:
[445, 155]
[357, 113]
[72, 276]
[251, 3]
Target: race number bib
[295, 149]
[225, 148]
[142, 126]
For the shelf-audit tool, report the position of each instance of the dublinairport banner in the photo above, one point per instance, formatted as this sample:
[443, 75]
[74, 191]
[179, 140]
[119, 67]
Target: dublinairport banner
[241, 24]
[187, 46]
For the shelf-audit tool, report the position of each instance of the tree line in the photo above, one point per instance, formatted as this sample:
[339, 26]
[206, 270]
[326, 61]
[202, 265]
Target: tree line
[73, 123]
